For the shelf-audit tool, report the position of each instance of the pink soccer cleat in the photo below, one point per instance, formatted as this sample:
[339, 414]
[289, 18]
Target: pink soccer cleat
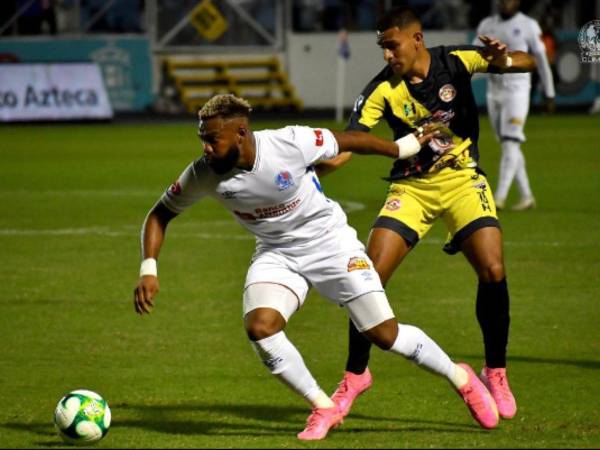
[479, 400]
[351, 386]
[320, 422]
[497, 383]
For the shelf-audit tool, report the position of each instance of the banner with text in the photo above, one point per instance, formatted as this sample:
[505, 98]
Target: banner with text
[52, 92]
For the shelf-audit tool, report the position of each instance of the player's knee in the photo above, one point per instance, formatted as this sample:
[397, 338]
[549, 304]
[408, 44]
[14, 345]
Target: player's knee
[262, 323]
[383, 335]
[492, 272]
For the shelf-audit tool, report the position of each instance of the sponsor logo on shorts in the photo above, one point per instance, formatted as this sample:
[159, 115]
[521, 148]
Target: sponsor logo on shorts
[515, 121]
[393, 204]
[358, 263]
[284, 180]
[447, 93]
[175, 188]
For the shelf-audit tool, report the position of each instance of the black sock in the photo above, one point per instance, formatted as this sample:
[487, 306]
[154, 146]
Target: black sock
[493, 315]
[359, 348]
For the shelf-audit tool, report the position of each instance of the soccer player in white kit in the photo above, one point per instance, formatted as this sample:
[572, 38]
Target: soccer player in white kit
[265, 178]
[508, 96]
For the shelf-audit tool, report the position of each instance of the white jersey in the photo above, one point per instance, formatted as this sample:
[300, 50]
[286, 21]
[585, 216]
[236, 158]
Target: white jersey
[280, 199]
[522, 33]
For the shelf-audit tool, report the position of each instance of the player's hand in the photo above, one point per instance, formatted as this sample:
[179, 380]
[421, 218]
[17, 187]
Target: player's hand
[550, 105]
[430, 130]
[494, 51]
[143, 294]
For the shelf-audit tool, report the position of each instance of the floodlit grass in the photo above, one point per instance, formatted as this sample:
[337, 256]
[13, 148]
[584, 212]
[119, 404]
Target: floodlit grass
[73, 200]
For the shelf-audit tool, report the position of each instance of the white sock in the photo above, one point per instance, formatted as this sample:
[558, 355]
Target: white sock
[285, 362]
[509, 163]
[415, 345]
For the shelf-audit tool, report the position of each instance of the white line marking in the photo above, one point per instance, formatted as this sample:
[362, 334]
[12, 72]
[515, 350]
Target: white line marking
[82, 192]
[105, 231]
[134, 232]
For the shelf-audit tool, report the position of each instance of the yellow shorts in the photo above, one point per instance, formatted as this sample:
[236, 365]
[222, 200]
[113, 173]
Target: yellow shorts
[461, 197]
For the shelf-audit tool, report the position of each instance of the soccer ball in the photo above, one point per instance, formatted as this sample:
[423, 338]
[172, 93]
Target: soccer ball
[82, 417]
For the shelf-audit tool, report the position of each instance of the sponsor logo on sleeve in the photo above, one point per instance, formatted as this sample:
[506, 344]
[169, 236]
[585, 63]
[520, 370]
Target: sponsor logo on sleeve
[175, 188]
[358, 103]
[319, 138]
[358, 263]
[228, 195]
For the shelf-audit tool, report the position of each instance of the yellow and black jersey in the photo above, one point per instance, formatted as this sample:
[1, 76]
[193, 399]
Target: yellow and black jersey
[445, 95]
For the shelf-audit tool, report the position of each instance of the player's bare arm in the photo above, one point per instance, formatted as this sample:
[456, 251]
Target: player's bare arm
[153, 235]
[364, 143]
[326, 167]
[497, 54]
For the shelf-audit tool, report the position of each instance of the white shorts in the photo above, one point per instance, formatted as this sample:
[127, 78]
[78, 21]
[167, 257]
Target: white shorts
[508, 113]
[335, 265]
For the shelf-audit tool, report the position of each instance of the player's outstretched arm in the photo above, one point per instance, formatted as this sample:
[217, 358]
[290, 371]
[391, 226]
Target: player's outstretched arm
[367, 144]
[326, 167]
[497, 54]
[153, 235]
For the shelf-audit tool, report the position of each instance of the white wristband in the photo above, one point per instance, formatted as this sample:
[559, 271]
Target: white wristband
[408, 146]
[508, 62]
[148, 267]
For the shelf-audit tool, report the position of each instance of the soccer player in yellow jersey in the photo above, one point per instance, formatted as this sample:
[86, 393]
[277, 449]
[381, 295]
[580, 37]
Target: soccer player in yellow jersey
[441, 180]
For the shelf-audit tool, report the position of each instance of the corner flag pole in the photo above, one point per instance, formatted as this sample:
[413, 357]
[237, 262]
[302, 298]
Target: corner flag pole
[343, 56]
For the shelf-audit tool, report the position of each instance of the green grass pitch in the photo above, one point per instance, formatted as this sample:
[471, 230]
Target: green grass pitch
[73, 200]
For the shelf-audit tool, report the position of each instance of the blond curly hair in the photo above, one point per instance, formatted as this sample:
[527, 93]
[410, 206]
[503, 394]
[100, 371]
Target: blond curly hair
[225, 105]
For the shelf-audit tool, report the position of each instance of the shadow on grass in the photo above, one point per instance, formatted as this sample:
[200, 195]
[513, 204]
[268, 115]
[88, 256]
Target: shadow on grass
[267, 420]
[258, 420]
[582, 363]
[43, 431]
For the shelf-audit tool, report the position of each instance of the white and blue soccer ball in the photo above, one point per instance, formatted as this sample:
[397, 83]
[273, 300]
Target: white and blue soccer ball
[82, 417]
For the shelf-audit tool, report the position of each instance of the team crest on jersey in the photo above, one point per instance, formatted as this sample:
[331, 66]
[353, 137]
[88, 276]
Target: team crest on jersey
[393, 204]
[284, 180]
[175, 188]
[447, 93]
[358, 263]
